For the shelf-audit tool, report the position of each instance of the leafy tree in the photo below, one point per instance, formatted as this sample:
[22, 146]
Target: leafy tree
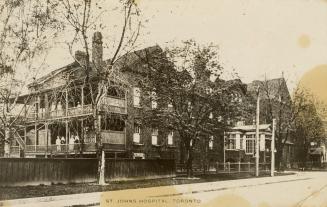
[191, 97]
[308, 124]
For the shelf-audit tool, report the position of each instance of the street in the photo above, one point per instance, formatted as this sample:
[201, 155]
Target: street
[301, 189]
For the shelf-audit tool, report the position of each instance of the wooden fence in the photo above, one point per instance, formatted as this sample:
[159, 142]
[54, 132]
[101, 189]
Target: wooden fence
[35, 171]
[223, 168]
[122, 169]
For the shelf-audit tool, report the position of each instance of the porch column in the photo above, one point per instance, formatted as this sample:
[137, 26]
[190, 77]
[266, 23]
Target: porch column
[82, 96]
[47, 137]
[82, 130]
[67, 131]
[46, 105]
[35, 135]
[66, 97]
[37, 108]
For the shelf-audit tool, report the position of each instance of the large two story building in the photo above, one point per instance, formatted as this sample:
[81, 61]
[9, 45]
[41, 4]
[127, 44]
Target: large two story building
[65, 109]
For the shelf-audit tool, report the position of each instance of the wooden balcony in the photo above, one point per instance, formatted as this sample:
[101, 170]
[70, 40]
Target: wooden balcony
[111, 140]
[113, 104]
[108, 104]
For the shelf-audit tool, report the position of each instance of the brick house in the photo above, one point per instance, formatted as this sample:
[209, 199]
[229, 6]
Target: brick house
[59, 108]
[240, 143]
[275, 102]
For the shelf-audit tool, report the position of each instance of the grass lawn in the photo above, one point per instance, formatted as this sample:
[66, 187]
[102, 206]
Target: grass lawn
[7, 193]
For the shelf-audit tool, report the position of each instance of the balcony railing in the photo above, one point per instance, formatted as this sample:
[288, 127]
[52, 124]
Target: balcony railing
[114, 105]
[61, 149]
[109, 104]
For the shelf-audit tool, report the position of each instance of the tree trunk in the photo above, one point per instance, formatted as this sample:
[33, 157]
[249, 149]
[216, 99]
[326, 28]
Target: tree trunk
[189, 162]
[100, 151]
[7, 142]
[279, 157]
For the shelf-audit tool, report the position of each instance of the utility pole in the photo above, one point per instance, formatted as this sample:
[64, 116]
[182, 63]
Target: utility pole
[272, 167]
[257, 136]
[224, 155]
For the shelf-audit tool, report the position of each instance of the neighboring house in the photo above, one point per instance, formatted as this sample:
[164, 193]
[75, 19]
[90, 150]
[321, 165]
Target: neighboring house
[60, 105]
[275, 102]
[240, 143]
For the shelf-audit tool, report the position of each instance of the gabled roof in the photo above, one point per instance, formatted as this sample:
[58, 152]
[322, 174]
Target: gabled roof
[276, 87]
[54, 73]
[125, 61]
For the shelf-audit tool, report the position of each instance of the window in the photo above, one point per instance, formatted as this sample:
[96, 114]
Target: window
[154, 100]
[170, 138]
[231, 142]
[211, 142]
[136, 96]
[154, 137]
[249, 144]
[136, 135]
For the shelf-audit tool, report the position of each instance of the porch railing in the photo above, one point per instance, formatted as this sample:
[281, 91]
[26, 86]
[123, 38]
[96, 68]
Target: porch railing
[110, 104]
[63, 148]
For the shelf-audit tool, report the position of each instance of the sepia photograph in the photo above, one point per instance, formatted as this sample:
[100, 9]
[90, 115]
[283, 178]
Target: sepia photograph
[169, 103]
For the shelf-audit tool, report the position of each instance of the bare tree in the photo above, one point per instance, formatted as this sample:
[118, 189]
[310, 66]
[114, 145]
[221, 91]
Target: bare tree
[25, 28]
[82, 19]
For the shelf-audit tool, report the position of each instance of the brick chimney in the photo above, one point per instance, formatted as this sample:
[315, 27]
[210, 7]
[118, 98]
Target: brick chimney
[97, 50]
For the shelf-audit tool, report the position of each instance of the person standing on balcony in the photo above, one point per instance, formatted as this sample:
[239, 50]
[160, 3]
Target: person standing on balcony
[62, 142]
[58, 142]
[77, 145]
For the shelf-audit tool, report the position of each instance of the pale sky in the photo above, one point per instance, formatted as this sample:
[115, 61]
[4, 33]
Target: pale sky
[255, 37]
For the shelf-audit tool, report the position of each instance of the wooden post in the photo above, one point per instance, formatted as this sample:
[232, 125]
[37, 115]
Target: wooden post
[224, 153]
[46, 105]
[272, 162]
[35, 135]
[257, 137]
[67, 131]
[82, 96]
[66, 105]
[239, 166]
[46, 136]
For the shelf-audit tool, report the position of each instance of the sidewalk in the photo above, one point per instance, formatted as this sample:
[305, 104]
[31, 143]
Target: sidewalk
[93, 199]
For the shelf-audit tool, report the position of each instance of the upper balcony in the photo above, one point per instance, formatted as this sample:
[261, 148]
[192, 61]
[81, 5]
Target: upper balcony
[107, 104]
